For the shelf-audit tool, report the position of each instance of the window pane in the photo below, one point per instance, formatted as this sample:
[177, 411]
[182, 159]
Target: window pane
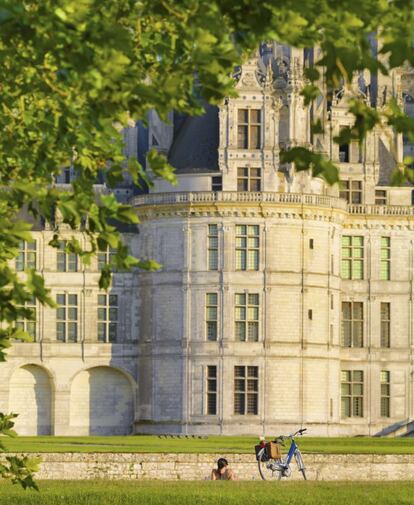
[253, 313]
[60, 332]
[72, 299]
[101, 299]
[240, 331]
[72, 332]
[345, 269]
[358, 269]
[211, 298]
[345, 407]
[240, 313]
[357, 376]
[242, 116]
[240, 299]
[239, 371]
[101, 332]
[242, 142]
[252, 403]
[239, 403]
[61, 263]
[241, 260]
[253, 332]
[255, 137]
[211, 330]
[253, 371]
[211, 313]
[255, 115]
[112, 332]
[253, 299]
[357, 407]
[60, 299]
[385, 376]
[357, 309]
[31, 260]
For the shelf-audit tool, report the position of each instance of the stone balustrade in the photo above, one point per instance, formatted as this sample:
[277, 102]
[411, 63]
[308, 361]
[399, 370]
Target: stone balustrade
[236, 197]
[200, 197]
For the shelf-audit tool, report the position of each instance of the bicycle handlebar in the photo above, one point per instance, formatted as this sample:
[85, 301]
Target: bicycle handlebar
[281, 438]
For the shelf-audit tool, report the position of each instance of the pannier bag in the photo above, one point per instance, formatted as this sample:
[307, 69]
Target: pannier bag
[273, 450]
[258, 448]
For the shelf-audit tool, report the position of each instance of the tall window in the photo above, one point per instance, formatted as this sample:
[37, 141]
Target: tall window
[246, 390]
[385, 267]
[66, 262]
[211, 316]
[352, 263]
[247, 247]
[29, 325]
[212, 247]
[380, 197]
[211, 390]
[216, 183]
[351, 191]
[385, 324]
[67, 317]
[352, 393]
[105, 257]
[352, 324]
[27, 255]
[385, 393]
[248, 128]
[247, 317]
[248, 179]
[107, 318]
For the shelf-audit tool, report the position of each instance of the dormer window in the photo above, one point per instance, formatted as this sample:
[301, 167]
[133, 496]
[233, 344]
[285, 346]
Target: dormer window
[249, 128]
[248, 179]
[351, 191]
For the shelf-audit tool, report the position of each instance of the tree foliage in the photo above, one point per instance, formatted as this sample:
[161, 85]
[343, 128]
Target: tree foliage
[73, 73]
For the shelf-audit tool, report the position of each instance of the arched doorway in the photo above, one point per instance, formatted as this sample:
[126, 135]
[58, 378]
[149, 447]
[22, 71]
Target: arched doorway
[101, 402]
[31, 398]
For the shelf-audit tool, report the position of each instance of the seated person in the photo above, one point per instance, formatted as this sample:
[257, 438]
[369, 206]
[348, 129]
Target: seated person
[223, 471]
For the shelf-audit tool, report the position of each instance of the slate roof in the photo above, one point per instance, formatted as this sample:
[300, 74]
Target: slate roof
[195, 145]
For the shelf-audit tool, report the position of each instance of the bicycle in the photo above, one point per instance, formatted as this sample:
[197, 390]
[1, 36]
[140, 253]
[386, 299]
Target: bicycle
[274, 466]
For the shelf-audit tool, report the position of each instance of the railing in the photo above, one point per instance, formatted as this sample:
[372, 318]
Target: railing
[238, 197]
[381, 210]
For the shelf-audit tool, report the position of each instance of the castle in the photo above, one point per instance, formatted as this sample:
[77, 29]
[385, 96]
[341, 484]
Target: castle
[281, 301]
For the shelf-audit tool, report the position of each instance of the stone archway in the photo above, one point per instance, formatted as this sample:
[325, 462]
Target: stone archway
[31, 398]
[101, 402]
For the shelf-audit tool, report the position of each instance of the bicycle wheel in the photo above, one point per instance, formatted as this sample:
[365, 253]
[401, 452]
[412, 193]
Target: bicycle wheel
[269, 469]
[301, 466]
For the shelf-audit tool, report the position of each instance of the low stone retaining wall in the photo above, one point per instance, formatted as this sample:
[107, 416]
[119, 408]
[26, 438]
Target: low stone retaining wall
[78, 466]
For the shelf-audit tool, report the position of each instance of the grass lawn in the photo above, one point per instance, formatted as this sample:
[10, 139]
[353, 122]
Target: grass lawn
[144, 443]
[209, 493]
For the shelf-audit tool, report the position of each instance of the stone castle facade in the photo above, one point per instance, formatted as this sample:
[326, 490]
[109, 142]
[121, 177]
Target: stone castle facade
[281, 301]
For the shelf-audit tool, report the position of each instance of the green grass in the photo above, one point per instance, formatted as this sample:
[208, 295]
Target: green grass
[210, 493]
[229, 445]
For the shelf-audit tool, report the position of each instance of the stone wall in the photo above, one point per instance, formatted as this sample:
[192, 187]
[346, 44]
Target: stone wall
[77, 466]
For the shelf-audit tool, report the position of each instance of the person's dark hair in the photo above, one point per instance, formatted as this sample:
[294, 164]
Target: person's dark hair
[221, 463]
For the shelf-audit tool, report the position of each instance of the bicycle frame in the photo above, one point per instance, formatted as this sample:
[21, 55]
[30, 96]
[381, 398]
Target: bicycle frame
[282, 465]
[291, 453]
